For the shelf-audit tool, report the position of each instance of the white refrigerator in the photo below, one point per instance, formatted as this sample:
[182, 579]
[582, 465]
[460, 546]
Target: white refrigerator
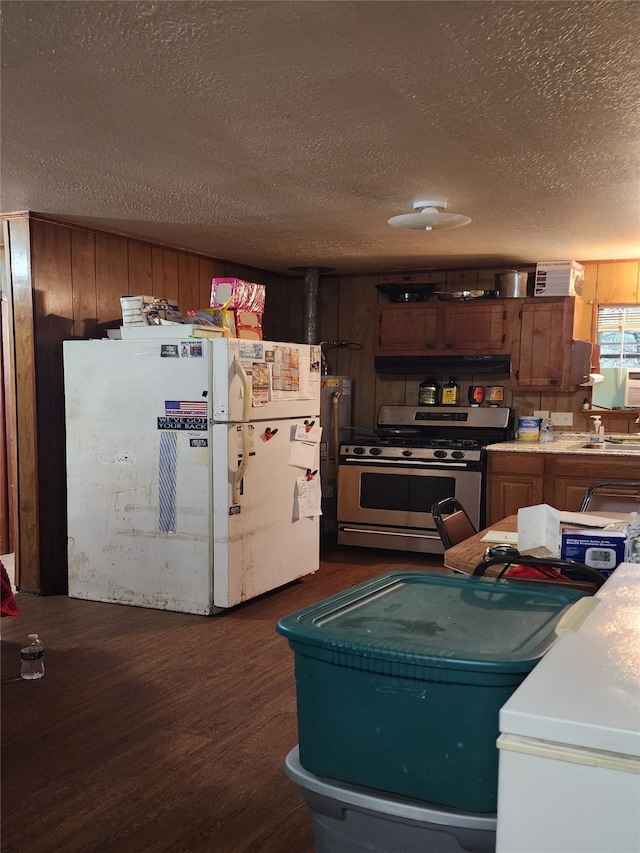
[192, 469]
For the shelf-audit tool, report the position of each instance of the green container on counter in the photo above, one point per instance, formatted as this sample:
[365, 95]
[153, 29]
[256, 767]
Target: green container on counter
[400, 680]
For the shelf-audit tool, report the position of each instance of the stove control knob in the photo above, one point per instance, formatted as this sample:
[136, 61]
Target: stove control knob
[375, 451]
[458, 454]
[440, 454]
[407, 452]
[358, 450]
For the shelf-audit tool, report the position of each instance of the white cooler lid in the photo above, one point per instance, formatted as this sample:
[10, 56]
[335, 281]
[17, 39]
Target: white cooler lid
[585, 692]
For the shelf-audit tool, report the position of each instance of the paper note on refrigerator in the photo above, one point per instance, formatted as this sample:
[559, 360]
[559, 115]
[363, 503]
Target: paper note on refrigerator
[308, 497]
[308, 432]
[302, 454]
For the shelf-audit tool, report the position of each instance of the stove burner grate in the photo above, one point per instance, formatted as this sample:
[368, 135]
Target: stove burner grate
[421, 441]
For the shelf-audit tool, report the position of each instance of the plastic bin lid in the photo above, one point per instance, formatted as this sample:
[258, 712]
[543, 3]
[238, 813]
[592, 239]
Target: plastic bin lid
[436, 619]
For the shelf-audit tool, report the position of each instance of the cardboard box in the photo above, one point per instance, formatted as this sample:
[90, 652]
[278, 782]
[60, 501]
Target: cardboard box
[558, 278]
[149, 310]
[603, 550]
[175, 331]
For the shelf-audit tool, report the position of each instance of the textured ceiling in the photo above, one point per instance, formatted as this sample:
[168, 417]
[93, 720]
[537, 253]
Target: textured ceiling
[281, 134]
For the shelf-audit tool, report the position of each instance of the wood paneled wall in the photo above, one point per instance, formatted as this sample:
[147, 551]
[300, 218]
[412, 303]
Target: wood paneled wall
[65, 282]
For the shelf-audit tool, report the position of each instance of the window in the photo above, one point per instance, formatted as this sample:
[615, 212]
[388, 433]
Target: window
[618, 334]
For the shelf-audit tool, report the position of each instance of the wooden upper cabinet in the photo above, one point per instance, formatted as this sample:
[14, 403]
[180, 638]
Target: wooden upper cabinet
[407, 329]
[476, 327]
[453, 328]
[545, 354]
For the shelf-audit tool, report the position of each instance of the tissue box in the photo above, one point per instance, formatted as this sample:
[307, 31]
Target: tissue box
[558, 278]
[238, 294]
[603, 550]
[248, 325]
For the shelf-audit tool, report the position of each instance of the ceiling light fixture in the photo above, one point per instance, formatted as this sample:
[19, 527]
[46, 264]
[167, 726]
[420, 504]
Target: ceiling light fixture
[429, 217]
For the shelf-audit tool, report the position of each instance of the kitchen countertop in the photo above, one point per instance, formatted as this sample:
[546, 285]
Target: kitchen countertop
[571, 443]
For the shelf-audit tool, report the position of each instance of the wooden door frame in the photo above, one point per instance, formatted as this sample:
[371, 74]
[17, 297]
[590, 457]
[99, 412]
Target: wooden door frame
[19, 397]
[7, 419]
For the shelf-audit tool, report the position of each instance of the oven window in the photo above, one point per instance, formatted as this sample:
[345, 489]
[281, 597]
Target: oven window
[404, 492]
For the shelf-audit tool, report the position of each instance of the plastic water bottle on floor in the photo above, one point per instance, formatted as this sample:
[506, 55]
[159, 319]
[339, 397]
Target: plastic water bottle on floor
[32, 658]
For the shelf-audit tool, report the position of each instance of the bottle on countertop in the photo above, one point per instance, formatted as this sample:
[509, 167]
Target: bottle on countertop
[429, 392]
[585, 404]
[597, 437]
[32, 658]
[547, 430]
[450, 393]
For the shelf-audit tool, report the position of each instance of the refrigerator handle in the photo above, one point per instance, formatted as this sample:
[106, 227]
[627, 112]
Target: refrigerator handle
[241, 470]
[246, 389]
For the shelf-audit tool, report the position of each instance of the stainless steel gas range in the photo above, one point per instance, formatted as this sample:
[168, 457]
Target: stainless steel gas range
[388, 481]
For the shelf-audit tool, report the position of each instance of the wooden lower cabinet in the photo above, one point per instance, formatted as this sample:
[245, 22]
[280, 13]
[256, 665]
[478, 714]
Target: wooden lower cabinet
[522, 479]
[514, 480]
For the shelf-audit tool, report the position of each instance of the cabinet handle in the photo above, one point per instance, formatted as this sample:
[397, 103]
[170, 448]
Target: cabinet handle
[504, 339]
[448, 346]
[553, 382]
[429, 346]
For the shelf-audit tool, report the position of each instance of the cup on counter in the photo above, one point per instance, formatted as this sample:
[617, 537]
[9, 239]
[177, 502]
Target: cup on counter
[528, 429]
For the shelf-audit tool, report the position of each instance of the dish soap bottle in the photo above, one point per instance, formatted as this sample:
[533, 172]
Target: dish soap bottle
[450, 392]
[428, 392]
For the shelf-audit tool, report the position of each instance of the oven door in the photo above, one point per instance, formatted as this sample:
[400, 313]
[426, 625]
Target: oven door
[389, 506]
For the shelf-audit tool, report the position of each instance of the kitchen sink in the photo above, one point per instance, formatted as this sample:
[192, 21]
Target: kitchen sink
[614, 445]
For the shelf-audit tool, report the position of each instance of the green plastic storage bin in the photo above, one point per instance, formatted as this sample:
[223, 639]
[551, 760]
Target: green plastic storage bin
[400, 680]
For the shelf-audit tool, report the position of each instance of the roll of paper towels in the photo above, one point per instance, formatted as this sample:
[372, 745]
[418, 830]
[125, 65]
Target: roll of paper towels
[594, 379]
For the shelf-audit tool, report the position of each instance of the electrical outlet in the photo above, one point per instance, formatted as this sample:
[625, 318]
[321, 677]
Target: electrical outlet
[541, 413]
[562, 418]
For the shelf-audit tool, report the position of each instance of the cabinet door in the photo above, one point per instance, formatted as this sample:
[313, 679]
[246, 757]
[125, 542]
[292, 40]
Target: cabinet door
[511, 492]
[571, 476]
[542, 357]
[407, 329]
[514, 480]
[476, 327]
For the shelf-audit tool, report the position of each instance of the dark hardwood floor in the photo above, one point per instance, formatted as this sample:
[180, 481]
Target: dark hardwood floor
[159, 731]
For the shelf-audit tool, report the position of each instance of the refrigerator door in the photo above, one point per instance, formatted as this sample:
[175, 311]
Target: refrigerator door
[139, 494]
[262, 380]
[262, 538]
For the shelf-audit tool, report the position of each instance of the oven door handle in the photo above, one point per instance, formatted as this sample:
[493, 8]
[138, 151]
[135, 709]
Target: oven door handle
[413, 534]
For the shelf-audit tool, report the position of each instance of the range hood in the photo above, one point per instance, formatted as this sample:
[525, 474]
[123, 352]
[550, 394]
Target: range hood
[494, 364]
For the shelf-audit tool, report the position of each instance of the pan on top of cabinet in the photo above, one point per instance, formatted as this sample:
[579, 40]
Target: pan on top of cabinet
[464, 295]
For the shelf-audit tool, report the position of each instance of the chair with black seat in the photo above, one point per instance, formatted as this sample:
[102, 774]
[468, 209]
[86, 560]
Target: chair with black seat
[548, 570]
[612, 497]
[452, 522]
